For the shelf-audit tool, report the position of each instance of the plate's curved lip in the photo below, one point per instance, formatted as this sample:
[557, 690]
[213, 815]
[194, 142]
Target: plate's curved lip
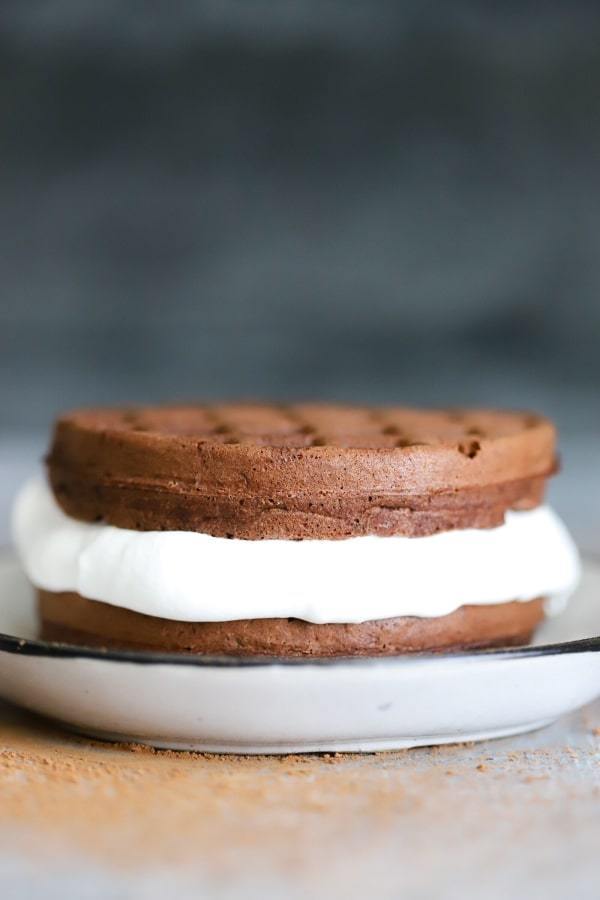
[36, 647]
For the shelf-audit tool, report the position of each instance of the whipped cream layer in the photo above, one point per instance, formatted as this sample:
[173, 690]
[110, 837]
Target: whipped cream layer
[195, 577]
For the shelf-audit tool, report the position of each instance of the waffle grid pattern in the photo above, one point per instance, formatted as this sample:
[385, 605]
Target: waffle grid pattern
[318, 425]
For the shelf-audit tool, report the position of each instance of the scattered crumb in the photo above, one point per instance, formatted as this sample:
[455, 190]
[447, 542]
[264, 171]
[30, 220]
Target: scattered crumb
[126, 802]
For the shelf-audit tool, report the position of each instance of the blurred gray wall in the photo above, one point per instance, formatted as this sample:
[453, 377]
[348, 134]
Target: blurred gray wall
[366, 200]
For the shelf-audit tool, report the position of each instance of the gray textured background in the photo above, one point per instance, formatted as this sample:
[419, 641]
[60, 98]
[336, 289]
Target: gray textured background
[364, 201]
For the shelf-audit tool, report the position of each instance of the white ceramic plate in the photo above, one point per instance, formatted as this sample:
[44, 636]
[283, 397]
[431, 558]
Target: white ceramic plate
[230, 705]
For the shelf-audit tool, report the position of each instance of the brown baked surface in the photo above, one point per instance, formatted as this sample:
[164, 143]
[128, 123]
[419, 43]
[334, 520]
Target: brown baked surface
[71, 618]
[299, 471]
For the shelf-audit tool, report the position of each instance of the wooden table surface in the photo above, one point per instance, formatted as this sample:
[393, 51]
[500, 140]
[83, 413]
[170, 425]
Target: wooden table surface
[517, 817]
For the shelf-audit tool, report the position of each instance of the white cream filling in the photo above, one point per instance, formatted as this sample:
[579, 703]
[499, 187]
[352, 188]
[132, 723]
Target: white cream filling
[198, 578]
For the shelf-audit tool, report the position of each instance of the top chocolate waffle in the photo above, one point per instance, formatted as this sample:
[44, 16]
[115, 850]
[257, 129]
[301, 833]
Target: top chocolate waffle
[299, 471]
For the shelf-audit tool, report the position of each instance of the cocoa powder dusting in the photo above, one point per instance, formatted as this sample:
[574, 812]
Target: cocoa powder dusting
[124, 805]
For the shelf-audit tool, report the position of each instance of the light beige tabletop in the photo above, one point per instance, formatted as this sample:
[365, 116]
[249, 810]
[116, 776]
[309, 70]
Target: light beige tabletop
[518, 817]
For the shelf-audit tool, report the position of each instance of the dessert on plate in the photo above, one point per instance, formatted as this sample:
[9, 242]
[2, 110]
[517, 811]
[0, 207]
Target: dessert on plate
[305, 530]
